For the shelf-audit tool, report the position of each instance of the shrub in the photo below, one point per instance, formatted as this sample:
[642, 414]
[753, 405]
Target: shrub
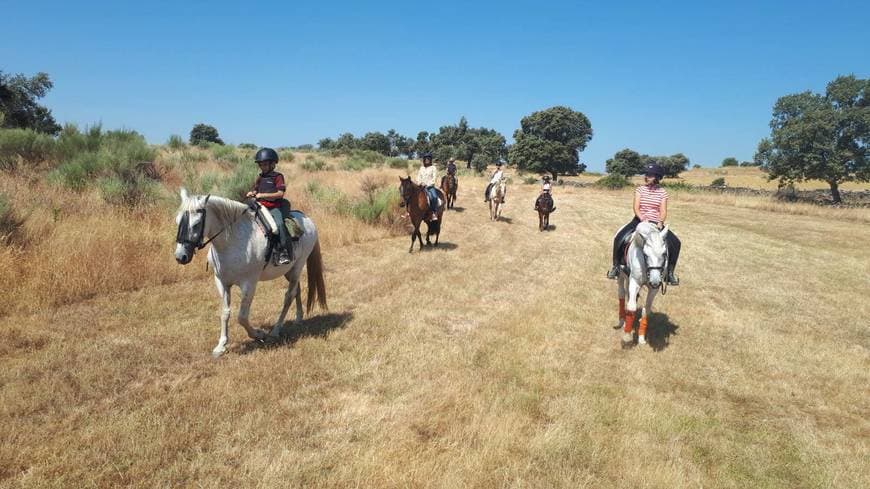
[247, 146]
[613, 181]
[24, 146]
[530, 180]
[479, 162]
[10, 222]
[378, 206]
[226, 154]
[313, 163]
[175, 142]
[397, 163]
[730, 161]
[193, 156]
[202, 134]
[286, 156]
[239, 182]
[719, 182]
[360, 159]
[677, 185]
[696, 166]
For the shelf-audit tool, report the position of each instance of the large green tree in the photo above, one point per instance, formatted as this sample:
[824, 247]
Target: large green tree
[730, 161]
[203, 134]
[820, 137]
[468, 144]
[18, 95]
[625, 162]
[549, 141]
[376, 141]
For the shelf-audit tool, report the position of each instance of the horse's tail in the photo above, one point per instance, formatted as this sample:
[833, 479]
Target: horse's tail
[316, 286]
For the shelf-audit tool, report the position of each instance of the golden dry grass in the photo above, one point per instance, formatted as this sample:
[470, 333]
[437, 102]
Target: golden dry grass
[489, 362]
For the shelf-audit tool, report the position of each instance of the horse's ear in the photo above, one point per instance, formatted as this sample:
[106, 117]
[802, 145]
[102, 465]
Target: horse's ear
[664, 232]
[183, 192]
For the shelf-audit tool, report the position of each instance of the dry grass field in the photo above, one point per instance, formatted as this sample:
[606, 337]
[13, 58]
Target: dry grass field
[487, 362]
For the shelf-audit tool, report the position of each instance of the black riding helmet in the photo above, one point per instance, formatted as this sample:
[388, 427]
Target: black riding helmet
[266, 154]
[654, 169]
[426, 156]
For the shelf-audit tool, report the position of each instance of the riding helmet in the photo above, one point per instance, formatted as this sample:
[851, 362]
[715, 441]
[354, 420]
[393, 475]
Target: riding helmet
[426, 155]
[655, 170]
[266, 154]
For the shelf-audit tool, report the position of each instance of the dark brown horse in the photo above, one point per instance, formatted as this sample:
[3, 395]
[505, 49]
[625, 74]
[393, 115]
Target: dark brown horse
[544, 206]
[415, 199]
[449, 185]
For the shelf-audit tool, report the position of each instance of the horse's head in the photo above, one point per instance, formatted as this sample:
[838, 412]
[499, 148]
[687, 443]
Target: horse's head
[191, 221]
[406, 190]
[652, 242]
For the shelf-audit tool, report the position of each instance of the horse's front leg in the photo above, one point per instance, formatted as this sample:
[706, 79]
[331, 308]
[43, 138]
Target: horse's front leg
[641, 331]
[630, 310]
[248, 289]
[224, 292]
[620, 294]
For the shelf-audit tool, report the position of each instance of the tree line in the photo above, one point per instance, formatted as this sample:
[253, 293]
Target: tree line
[813, 136]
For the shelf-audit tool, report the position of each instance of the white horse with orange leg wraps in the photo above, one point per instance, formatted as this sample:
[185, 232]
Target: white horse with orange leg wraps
[239, 256]
[647, 261]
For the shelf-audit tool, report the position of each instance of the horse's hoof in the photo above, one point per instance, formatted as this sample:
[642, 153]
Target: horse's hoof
[627, 339]
[218, 352]
[641, 340]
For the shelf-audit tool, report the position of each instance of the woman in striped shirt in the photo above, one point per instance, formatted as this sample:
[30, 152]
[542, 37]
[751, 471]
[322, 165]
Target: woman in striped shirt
[650, 204]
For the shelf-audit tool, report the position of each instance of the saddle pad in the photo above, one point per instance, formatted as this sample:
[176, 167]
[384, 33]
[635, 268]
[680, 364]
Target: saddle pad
[294, 224]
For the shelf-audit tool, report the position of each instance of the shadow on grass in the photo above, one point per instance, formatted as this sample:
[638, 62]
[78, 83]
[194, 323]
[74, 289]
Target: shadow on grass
[551, 227]
[442, 246]
[659, 331]
[316, 327]
[506, 220]
[457, 209]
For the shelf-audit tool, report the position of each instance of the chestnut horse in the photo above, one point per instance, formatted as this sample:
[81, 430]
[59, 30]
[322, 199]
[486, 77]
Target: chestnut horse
[415, 199]
[449, 186]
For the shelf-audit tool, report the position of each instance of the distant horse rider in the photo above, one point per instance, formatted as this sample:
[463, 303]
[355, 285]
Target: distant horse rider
[497, 177]
[427, 177]
[451, 167]
[269, 188]
[546, 187]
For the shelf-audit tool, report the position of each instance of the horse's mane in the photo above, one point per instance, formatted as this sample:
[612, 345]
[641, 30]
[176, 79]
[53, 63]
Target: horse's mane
[225, 210]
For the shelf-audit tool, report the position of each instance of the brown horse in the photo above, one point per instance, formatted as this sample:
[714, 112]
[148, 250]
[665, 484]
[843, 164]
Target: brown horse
[415, 199]
[544, 206]
[449, 185]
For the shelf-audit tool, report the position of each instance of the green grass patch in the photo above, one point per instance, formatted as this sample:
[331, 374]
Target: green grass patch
[313, 164]
[613, 182]
[24, 146]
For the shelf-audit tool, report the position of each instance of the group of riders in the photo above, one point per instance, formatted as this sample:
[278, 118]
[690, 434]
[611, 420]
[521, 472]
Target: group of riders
[650, 204]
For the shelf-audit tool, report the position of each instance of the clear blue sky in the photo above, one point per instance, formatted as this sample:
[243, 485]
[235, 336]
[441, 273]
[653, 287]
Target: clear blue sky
[657, 77]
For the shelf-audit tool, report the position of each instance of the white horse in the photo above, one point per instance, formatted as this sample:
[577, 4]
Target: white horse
[647, 264]
[496, 199]
[238, 255]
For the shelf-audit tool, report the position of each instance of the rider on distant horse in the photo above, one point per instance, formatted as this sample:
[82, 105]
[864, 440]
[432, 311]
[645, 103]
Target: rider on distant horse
[497, 176]
[545, 191]
[427, 177]
[451, 167]
[650, 204]
[269, 191]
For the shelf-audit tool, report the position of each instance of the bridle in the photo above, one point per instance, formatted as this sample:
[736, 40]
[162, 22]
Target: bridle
[193, 236]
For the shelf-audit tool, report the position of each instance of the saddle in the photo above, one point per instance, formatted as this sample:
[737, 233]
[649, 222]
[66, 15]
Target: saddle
[295, 227]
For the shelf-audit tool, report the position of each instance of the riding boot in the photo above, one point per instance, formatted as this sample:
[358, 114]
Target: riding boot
[672, 279]
[613, 273]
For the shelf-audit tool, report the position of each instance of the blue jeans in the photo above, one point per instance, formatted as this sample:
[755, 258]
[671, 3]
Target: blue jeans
[433, 198]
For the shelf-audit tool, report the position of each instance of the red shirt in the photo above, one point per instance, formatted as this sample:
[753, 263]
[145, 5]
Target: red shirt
[269, 183]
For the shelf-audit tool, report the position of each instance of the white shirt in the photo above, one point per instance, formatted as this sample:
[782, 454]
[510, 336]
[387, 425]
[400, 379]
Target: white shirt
[426, 175]
[498, 175]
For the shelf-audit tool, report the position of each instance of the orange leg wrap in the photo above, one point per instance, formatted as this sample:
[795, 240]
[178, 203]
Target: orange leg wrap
[621, 309]
[642, 330]
[629, 321]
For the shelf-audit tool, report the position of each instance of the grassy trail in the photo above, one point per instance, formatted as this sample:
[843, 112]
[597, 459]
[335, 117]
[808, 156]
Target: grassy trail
[488, 362]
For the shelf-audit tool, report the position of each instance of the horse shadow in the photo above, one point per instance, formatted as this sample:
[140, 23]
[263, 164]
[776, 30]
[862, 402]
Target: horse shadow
[313, 327]
[659, 331]
[442, 246]
[506, 220]
[457, 209]
[551, 227]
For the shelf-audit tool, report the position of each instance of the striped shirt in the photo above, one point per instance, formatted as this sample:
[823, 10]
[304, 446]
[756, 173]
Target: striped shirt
[651, 198]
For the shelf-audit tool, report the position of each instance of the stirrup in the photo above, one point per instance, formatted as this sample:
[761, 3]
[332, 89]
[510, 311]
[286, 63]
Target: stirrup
[673, 279]
[613, 273]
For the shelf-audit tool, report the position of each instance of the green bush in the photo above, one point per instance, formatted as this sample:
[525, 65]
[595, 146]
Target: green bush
[377, 208]
[677, 185]
[613, 182]
[530, 180]
[286, 156]
[719, 182]
[397, 163]
[239, 182]
[247, 146]
[24, 146]
[226, 155]
[175, 142]
[312, 163]
[193, 155]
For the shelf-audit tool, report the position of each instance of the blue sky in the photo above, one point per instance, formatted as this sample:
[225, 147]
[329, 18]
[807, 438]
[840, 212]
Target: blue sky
[657, 77]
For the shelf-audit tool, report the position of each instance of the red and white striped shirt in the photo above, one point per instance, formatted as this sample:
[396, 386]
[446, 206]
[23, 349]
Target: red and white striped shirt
[651, 198]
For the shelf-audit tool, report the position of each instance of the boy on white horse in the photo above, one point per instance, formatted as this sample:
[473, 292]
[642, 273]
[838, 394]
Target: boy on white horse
[269, 188]
[650, 205]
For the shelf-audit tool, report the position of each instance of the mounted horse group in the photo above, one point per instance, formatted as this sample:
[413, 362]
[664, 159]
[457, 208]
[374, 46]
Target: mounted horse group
[264, 239]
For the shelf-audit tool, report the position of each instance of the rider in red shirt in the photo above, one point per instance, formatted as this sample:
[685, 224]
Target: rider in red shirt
[269, 191]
